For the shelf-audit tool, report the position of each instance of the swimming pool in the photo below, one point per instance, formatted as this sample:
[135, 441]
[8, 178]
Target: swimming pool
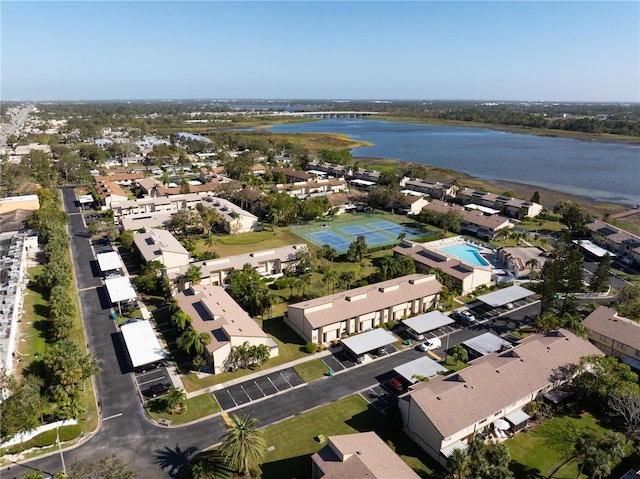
[467, 253]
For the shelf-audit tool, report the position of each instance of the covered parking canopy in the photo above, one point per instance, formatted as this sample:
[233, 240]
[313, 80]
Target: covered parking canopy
[109, 261]
[428, 322]
[142, 343]
[487, 343]
[422, 367]
[120, 289]
[369, 341]
[505, 296]
[593, 248]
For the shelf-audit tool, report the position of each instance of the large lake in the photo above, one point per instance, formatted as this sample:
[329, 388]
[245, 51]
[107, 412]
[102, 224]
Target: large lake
[602, 171]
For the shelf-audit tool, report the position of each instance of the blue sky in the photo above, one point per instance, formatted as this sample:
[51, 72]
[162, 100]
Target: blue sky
[541, 50]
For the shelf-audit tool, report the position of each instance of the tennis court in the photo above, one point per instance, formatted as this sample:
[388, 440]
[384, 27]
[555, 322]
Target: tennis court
[340, 234]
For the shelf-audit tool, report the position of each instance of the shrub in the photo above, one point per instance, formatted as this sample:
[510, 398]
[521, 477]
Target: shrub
[282, 283]
[311, 347]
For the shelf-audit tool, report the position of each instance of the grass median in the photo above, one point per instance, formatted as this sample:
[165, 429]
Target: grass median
[198, 407]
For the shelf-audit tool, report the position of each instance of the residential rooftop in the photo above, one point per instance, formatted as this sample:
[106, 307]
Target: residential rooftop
[355, 302]
[495, 381]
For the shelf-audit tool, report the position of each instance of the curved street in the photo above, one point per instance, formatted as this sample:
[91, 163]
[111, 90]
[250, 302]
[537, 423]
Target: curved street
[155, 451]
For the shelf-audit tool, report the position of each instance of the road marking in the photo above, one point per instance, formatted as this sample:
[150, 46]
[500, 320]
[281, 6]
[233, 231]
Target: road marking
[232, 398]
[285, 378]
[276, 387]
[113, 416]
[245, 393]
[87, 289]
[263, 393]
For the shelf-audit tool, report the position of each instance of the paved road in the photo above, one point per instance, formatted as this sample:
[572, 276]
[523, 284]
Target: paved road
[158, 452]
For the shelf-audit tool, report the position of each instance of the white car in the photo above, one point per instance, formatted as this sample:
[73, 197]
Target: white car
[429, 344]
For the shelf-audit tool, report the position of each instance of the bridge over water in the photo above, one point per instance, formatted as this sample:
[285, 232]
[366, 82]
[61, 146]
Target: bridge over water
[334, 114]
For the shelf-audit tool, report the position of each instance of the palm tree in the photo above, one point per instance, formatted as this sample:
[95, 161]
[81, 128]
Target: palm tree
[243, 446]
[260, 354]
[574, 323]
[458, 463]
[210, 241]
[181, 320]
[175, 399]
[193, 274]
[330, 279]
[191, 339]
[459, 353]
[532, 263]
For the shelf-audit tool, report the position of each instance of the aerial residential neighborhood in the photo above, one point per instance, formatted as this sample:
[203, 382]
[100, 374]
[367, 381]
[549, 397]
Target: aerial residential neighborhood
[287, 281]
[320, 240]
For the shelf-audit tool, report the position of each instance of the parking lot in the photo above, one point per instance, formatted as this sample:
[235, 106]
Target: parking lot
[484, 312]
[378, 397]
[150, 378]
[258, 388]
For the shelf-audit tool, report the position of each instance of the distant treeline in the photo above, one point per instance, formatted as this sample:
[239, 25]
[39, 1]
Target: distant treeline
[165, 117]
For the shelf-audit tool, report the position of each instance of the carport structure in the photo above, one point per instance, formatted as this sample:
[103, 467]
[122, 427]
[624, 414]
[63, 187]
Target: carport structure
[120, 289]
[109, 261]
[496, 303]
[428, 322]
[419, 368]
[142, 343]
[359, 345]
[486, 343]
[505, 296]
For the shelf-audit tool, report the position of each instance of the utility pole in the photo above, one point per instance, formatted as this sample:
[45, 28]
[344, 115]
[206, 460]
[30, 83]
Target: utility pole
[64, 467]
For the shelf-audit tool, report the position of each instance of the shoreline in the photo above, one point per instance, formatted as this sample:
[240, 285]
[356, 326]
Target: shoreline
[523, 130]
[548, 197]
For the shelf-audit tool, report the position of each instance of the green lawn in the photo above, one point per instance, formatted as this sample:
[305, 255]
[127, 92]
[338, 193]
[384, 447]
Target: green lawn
[231, 245]
[295, 439]
[312, 370]
[537, 452]
[542, 226]
[197, 407]
[35, 312]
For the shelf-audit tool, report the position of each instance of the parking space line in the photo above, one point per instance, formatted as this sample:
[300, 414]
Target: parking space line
[263, 393]
[285, 378]
[269, 378]
[231, 396]
[246, 393]
[142, 383]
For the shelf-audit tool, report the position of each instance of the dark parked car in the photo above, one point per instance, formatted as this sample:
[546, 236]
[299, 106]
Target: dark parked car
[157, 390]
[100, 242]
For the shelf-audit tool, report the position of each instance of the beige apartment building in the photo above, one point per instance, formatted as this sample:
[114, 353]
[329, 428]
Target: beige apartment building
[214, 312]
[331, 317]
[446, 412]
[614, 335]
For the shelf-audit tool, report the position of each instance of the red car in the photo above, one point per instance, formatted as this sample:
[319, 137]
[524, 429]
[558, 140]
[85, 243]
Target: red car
[396, 386]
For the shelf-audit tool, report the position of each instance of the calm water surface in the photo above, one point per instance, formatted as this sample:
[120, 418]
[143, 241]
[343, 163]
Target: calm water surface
[602, 171]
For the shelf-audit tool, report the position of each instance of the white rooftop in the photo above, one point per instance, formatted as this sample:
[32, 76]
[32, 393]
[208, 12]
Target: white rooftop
[119, 289]
[428, 321]
[424, 366]
[109, 261]
[487, 343]
[505, 296]
[592, 248]
[142, 343]
[83, 199]
[369, 341]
